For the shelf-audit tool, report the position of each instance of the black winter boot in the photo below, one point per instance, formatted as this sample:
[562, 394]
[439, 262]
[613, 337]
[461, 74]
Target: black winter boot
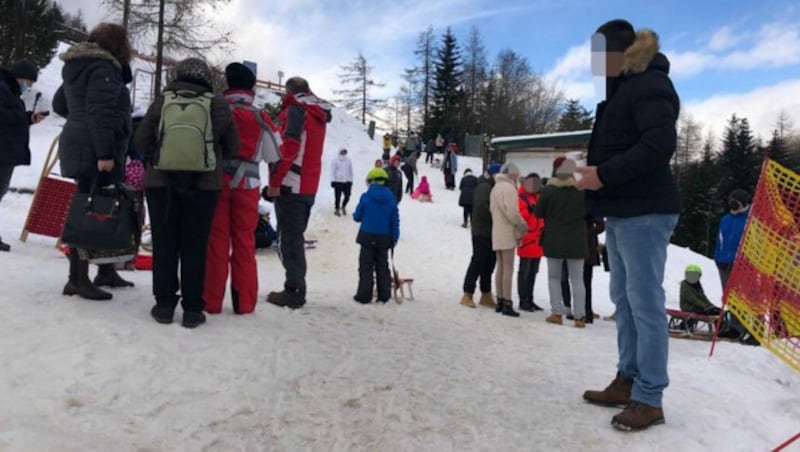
[193, 319]
[162, 314]
[4, 246]
[79, 283]
[500, 302]
[107, 276]
[536, 307]
[508, 309]
[526, 305]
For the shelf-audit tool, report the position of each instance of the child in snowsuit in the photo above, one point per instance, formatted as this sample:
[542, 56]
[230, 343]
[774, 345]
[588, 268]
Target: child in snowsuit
[693, 298]
[423, 191]
[380, 229]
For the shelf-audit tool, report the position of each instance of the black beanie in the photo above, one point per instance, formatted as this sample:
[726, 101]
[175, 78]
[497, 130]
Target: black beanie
[239, 76]
[740, 195]
[619, 34]
[24, 69]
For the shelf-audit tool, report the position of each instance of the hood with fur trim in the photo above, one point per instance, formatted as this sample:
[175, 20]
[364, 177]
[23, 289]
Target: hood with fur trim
[644, 53]
[89, 50]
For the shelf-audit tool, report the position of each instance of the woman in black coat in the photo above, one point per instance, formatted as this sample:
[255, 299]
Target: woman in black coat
[465, 200]
[93, 144]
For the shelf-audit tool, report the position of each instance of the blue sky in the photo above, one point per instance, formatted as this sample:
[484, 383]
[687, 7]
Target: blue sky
[728, 56]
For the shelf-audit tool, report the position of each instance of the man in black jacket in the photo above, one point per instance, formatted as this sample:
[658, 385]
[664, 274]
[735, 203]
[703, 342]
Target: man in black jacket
[483, 259]
[631, 184]
[14, 123]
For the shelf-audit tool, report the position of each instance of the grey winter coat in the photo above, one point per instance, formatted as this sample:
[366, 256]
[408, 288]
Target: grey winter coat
[97, 105]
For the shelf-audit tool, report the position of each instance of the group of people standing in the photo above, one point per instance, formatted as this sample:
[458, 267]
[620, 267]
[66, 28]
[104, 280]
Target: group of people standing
[201, 150]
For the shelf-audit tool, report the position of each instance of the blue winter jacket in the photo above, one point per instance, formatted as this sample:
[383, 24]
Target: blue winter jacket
[731, 228]
[377, 212]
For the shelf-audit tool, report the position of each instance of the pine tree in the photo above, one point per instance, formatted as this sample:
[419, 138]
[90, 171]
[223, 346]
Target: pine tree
[357, 100]
[739, 159]
[40, 25]
[575, 117]
[778, 150]
[447, 89]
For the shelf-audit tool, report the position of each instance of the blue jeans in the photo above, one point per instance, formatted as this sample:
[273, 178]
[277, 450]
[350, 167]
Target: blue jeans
[637, 251]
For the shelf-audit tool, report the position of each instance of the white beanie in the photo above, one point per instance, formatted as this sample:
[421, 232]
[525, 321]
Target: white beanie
[509, 168]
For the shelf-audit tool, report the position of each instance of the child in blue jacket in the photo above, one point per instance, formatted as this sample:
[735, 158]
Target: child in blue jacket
[380, 229]
[731, 229]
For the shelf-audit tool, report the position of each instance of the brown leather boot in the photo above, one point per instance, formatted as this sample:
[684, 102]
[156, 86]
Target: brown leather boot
[487, 300]
[618, 393]
[466, 300]
[555, 319]
[638, 416]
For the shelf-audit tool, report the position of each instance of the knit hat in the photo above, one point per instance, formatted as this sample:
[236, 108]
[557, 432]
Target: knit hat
[24, 69]
[566, 168]
[693, 273]
[195, 70]
[377, 176]
[467, 171]
[740, 195]
[619, 34]
[494, 168]
[532, 176]
[557, 162]
[509, 168]
[239, 76]
[395, 158]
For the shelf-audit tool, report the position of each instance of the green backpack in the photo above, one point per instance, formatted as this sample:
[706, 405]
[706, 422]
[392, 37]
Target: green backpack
[186, 136]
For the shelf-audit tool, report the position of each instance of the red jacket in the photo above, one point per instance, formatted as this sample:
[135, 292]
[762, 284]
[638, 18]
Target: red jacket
[258, 140]
[531, 247]
[303, 121]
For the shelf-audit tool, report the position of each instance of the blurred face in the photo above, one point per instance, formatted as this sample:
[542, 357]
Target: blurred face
[532, 185]
[604, 64]
[514, 177]
[24, 84]
[692, 277]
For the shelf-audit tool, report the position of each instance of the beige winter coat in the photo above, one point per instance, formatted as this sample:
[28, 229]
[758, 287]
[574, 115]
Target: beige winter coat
[508, 226]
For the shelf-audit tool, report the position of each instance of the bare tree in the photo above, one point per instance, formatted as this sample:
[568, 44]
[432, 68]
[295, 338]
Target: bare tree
[357, 100]
[474, 79]
[186, 30]
[425, 52]
[784, 125]
[689, 143]
[408, 95]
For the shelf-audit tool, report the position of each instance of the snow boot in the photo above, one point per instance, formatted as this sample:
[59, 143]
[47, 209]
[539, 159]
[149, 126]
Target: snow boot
[193, 319]
[638, 416]
[487, 300]
[107, 276]
[580, 323]
[508, 309]
[344, 211]
[466, 300]
[4, 246]
[618, 393]
[536, 307]
[526, 305]
[286, 298]
[79, 283]
[162, 314]
[337, 213]
[362, 300]
[555, 319]
[499, 307]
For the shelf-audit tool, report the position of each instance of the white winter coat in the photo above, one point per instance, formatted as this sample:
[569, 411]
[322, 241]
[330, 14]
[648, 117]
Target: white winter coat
[342, 169]
[508, 226]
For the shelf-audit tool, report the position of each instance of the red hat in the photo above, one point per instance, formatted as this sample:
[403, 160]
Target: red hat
[395, 158]
[558, 161]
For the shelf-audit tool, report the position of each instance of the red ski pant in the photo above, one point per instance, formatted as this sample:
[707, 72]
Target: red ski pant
[232, 243]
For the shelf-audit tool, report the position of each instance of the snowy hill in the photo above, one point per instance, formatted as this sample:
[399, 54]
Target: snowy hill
[425, 375]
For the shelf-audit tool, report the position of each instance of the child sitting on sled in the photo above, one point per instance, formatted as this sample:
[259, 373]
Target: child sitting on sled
[423, 191]
[380, 229]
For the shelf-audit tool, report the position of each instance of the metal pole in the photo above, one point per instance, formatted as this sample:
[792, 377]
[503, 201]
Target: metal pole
[159, 49]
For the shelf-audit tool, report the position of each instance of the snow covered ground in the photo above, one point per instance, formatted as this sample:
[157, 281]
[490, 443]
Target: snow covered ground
[424, 375]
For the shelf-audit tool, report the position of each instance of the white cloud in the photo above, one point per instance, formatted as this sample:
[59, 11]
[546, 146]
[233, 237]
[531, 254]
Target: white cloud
[723, 39]
[760, 106]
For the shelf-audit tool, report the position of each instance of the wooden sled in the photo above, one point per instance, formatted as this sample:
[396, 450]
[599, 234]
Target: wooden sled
[399, 287]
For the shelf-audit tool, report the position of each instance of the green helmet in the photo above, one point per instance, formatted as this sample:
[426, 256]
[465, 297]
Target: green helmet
[377, 176]
[694, 268]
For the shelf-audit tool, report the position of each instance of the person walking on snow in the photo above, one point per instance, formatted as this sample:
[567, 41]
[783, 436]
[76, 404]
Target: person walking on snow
[387, 146]
[449, 168]
[231, 243]
[293, 183]
[508, 229]
[395, 177]
[465, 199]
[530, 252]
[631, 184]
[482, 262]
[15, 123]
[409, 168]
[563, 210]
[341, 181]
[379, 232]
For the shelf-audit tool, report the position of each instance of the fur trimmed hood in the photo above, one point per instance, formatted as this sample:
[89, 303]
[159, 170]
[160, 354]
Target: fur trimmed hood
[89, 50]
[561, 183]
[640, 55]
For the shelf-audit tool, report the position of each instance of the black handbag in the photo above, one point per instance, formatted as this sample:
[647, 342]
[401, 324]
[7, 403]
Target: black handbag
[99, 220]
